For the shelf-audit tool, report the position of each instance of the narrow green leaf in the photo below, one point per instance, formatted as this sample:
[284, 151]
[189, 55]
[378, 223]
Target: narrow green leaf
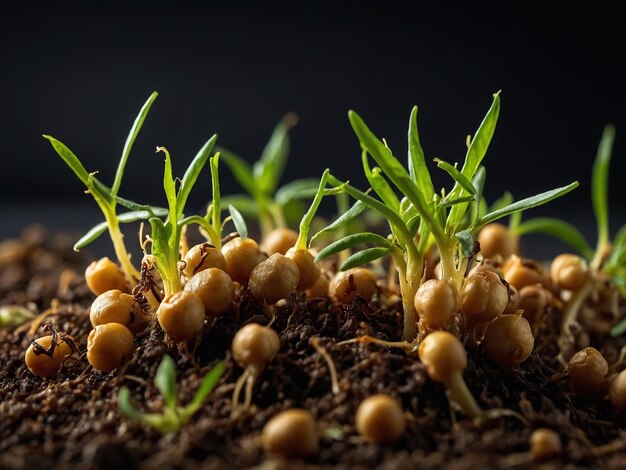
[126, 406]
[466, 241]
[413, 225]
[478, 181]
[475, 154]
[169, 184]
[380, 184]
[600, 185]
[505, 200]
[241, 170]
[617, 257]
[216, 199]
[456, 175]
[268, 170]
[525, 204]
[357, 208]
[363, 257]
[393, 170]
[130, 140]
[202, 222]
[92, 234]
[240, 224]
[297, 189]
[417, 162]
[193, 171]
[559, 229]
[209, 382]
[447, 203]
[165, 381]
[392, 218]
[157, 421]
[98, 190]
[350, 241]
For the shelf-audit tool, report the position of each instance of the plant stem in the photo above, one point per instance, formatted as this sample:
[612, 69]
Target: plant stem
[409, 275]
[573, 306]
[461, 395]
[117, 237]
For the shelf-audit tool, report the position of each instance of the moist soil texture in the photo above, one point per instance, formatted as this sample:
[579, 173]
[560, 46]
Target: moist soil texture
[72, 420]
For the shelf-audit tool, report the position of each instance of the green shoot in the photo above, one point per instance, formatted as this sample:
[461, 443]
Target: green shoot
[14, 315]
[264, 199]
[423, 217]
[106, 197]
[174, 417]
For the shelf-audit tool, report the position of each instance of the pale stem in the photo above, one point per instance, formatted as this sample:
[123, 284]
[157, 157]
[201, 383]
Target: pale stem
[117, 237]
[409, 275]
[573, 306]
[461, 395]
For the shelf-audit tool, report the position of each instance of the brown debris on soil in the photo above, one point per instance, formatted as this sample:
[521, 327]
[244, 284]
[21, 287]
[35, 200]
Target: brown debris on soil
[72, 420]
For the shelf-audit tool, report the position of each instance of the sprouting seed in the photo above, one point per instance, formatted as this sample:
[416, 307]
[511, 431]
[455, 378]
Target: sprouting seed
[45, 356]
[253, 347]
[569, 272]
[436, 302]
[508, 340]
[496, 240]
[242, 256]
[279, 240]
[587, 369]
[215, 288]
[274, 279]
[200, 257]
[114, 306]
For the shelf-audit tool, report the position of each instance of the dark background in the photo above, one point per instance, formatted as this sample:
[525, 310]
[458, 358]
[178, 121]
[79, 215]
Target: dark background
[81, 73]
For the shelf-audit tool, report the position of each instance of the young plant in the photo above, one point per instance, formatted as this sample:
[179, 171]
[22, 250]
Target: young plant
[264, 199]
[422, 216]
[106, 197]
[174, 417]
[166, 234]
[608, 257]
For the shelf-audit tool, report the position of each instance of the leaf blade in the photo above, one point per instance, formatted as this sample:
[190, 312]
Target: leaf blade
[238, 221]
[193, 171]
[349, 242]
[363, 257]
[559, 229]
[165, 381]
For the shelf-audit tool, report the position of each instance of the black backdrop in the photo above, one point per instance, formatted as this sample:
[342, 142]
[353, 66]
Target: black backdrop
[81, 72]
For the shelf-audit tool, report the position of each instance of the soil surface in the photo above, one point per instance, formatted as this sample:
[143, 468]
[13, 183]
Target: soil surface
[72, 420]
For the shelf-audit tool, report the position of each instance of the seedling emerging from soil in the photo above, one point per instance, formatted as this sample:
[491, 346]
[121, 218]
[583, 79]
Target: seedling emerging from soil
[265, 200]
[608, 259]
[421, 216]
[174, 417]
[107, 198]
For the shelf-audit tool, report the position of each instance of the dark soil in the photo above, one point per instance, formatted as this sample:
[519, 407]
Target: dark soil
[72, 420]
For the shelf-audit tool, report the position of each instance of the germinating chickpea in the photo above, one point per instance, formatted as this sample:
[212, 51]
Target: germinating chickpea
[309, 269]
[109, 346]
[291, 434]
[617, 391]
[253, 347]
[569, 272]
[508, 340]
[104, 275]
[521, 272]
[46, 364]
[587, 369]
[202, 256]
[545, 444]
[181, 315]
[274, 279]
[345, 285]
[483, 297]
[445, 359]
[320, 288]
[496, 239]
[114, 306]
[279, 240]
[534, 300]
[380, 419]
[242, 255]
[436, 302]
[215, 288]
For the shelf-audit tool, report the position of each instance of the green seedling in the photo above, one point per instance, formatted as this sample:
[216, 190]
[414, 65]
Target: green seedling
[608, 257]
[265, 200]
[174, 417]
[420, 216]
[107, 197]
[166, 234]
[14, 315]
